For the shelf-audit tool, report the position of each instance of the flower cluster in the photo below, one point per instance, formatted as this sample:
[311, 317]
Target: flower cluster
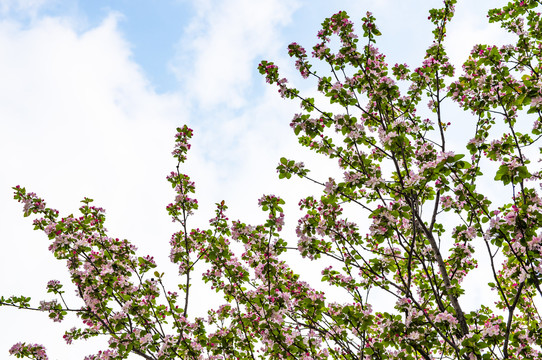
[33, 351]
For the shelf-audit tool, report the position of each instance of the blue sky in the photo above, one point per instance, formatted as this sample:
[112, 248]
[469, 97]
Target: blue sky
[91, 92]
[153, 28]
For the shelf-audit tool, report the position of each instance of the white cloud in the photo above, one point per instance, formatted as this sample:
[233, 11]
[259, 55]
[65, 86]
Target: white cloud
[219, 50]
[26, 7]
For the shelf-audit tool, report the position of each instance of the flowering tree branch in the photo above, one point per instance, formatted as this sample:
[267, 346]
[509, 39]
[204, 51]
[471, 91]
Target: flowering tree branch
[427, 208]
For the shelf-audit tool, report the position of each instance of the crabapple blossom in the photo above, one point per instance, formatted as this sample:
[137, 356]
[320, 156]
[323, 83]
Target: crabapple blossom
[409, 216]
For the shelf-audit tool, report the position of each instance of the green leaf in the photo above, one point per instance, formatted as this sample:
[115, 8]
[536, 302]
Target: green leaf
[503, 174]
[523, 173]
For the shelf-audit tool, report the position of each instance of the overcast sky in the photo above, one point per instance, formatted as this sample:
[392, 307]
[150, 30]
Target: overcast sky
[91, 93]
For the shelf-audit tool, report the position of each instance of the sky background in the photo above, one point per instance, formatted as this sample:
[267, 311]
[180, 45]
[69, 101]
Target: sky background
[91, 93]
